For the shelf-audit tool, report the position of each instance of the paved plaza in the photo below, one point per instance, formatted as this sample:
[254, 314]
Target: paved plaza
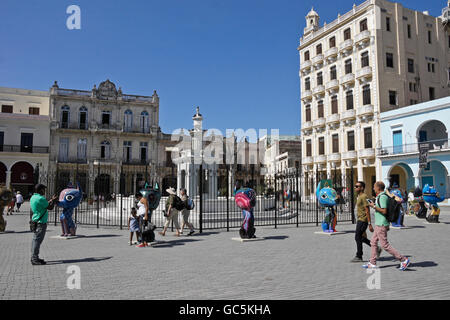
[286, 263]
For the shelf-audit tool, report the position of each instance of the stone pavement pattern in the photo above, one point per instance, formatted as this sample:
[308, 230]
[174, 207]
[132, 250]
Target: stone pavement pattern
[290, 263]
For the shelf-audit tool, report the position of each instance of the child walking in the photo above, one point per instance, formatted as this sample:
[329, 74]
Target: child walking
[133, 225]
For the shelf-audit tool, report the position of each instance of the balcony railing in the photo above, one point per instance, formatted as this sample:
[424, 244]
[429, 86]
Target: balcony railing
[73, 125]
[362, 36]
[72, 160]
[433, 146]
[26, 149]
[134, 162]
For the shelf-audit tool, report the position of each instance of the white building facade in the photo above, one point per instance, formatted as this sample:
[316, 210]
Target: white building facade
[375, 58]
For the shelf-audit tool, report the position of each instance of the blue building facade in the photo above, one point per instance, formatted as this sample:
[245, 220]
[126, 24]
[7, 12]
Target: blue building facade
[402, 131]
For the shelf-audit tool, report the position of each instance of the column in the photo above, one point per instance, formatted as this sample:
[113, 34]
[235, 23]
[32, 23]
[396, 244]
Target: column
[360, 170]
[8, 179]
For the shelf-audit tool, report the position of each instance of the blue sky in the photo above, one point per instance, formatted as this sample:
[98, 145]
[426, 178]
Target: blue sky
[236, 59]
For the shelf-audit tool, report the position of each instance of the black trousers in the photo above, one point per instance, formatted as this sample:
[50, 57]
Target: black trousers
[361, 227]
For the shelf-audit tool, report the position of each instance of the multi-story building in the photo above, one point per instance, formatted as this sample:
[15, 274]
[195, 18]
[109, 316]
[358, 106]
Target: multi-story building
[281, 153]
[106, 134]
[378, 57]
[24, 137]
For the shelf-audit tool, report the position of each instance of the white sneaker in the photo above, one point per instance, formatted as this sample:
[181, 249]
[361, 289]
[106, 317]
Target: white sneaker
[370, 266]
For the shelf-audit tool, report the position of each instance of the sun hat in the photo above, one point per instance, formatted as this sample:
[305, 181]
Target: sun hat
[171, 191]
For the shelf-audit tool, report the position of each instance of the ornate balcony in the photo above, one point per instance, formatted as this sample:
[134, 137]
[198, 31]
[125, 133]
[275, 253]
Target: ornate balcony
[350, 155]
[334, 118]
[348, 115]
[362, 37]
[334, 157]
[366, 110]
[308, 160]
[331, 53]
[346, 46]
[319, 122]
[332, 85]
[364, 73]
[305, 66]
[306, 95]
[320, 159]
[367, 153]
[307, 125]
[348, 79]
[319, 90]
[317, 60]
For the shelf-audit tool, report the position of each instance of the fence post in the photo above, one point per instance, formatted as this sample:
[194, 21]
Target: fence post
[98, 195]
[315, 198]
[201, 198]
[352, 195]
[276, 199]
[121, 196]
[297, 192]
[228, 205]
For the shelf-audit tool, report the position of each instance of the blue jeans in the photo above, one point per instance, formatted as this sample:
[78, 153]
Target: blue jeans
[38, 237]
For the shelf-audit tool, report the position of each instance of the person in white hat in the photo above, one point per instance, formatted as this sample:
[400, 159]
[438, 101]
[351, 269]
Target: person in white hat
[171, 212]
[19, 200]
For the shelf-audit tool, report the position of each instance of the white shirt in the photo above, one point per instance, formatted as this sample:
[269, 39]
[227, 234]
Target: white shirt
[141, 209]
[19, 198]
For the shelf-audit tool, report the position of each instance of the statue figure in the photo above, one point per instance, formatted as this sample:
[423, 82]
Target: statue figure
[69, 199]
[6, 196]
[432, 197]
[153, 196]
[245, 199]
[327, 197]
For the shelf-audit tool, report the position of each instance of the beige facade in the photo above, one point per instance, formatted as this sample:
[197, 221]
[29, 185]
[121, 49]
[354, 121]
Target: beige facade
[377, 57]
[104, 132]
[24, 137]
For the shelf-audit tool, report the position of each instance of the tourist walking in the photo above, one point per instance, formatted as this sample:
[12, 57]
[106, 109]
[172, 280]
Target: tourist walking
[171, 212]
[19, 200]
[381, 229]
[185, 213]
[39, 207]
[364, 221]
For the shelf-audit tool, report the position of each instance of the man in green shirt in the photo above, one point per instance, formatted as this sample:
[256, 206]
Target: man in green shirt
[39, 207]
[381, 228]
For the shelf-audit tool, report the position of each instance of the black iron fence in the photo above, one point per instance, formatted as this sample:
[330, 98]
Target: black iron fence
[285, 198]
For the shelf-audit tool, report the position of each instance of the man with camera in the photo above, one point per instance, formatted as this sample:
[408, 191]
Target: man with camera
[38, 224]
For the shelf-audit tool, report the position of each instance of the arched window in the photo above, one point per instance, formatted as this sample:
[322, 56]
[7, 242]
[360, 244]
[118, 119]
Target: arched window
[145, 122]
[128, 120]
[105, 150]
[83, 118]
[65, 116]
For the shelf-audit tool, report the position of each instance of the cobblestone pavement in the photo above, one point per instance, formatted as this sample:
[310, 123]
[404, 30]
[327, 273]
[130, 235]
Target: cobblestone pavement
[286, 263]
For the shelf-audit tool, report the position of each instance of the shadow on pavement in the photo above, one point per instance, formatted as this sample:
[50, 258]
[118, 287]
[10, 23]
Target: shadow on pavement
[10, 231]
[100, 236]
[171, 243]
[276, 238]
[78, 260]
[197, 234]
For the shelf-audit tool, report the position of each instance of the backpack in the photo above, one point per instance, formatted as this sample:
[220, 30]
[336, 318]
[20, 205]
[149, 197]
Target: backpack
[189, 204]
[178, 203]
[393, 209]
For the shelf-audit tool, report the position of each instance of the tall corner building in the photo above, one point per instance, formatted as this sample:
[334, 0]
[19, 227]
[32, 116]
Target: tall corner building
[378, 57]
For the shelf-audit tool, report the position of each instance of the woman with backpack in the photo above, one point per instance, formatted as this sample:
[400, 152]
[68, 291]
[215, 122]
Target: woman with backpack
[186, 212]
[173, 202]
